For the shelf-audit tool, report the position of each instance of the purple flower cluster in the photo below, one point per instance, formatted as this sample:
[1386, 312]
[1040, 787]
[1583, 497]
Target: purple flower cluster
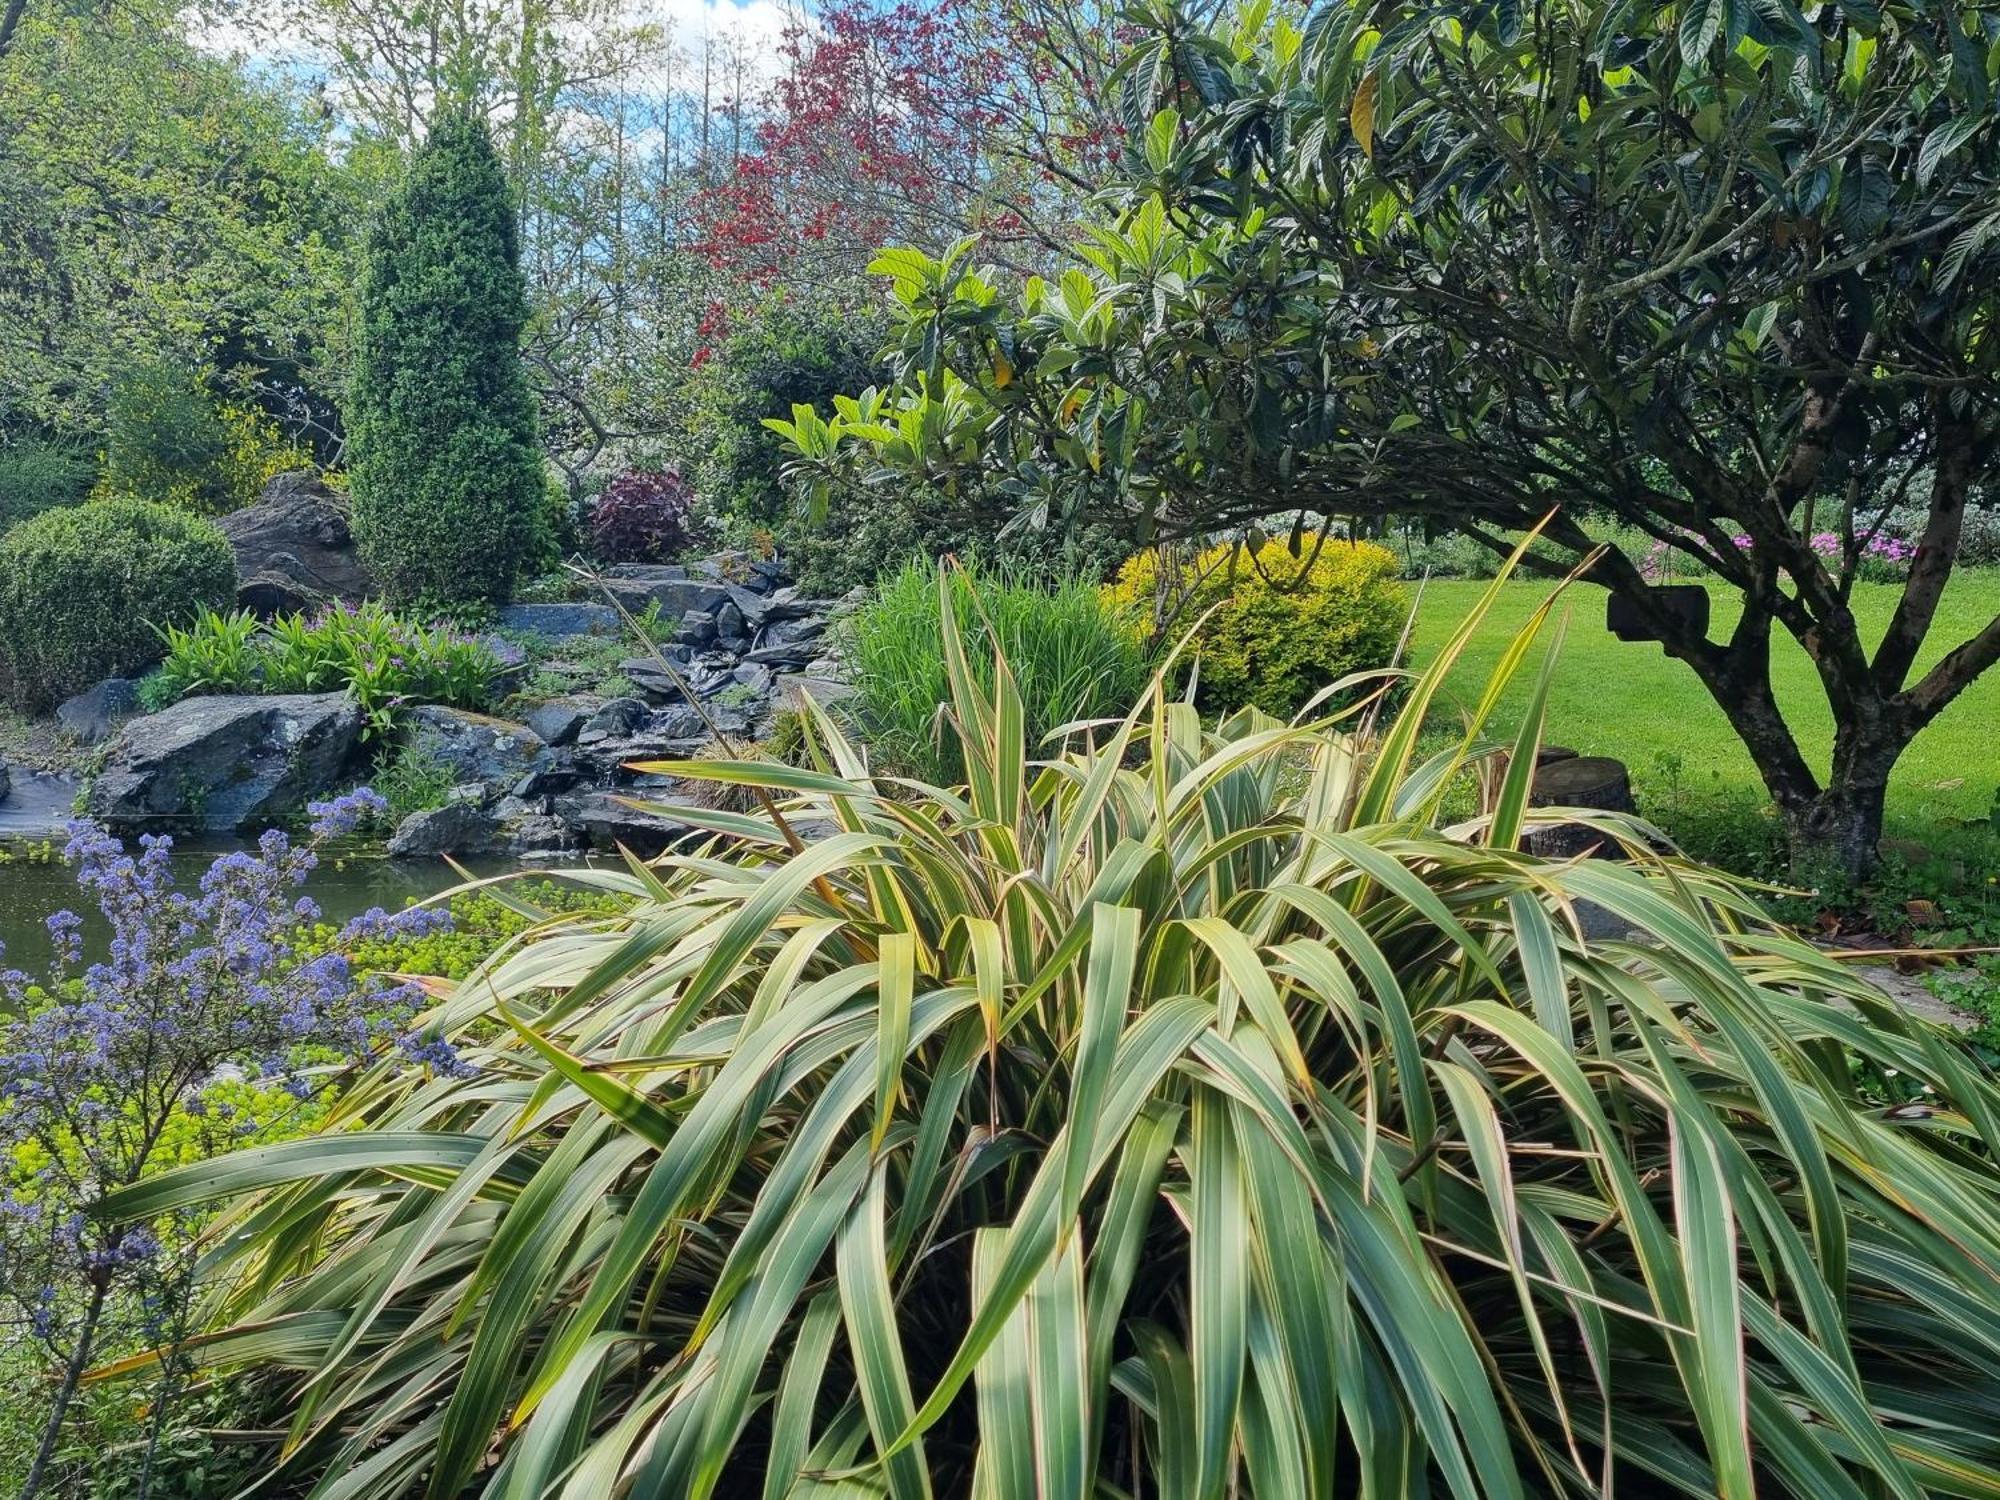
[344, 814]
[1892, 550]
[196, 988]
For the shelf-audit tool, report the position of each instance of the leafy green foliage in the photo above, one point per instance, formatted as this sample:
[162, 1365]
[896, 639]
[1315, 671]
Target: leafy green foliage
[1475, 266]
[450, 494]
[37, 474]
[82, 588]
[217, 653]
[1072, 654]
[1271, 626]
[168, 439]
[162, 436]
[385, 660]
[165, 207]
[1185, 1113]
[412, 781]
[776, 356]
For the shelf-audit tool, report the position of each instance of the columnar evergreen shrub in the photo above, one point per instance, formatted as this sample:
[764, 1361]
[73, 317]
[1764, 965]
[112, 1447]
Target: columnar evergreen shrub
[448, 483]
[82, 588]
[1282, 626]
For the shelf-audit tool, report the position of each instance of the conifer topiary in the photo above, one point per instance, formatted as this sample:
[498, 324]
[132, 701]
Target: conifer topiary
[448, 485]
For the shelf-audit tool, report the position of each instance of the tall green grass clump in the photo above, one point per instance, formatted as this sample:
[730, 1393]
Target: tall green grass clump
[1071, 655]
[1166, 1110]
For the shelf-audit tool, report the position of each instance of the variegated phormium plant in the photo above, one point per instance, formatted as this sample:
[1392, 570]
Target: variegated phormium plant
[1187, 1114]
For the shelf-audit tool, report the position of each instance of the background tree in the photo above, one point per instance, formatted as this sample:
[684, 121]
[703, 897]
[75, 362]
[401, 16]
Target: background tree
[161, 207]
[1720, 272]
[920, 122]
[450, 493]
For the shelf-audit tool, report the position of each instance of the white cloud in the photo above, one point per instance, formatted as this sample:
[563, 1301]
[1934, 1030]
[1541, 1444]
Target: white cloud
[274, 35]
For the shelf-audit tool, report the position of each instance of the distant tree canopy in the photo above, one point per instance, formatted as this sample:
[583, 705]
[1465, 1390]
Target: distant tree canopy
[157, 205]
[1720, 271]
[450, 492]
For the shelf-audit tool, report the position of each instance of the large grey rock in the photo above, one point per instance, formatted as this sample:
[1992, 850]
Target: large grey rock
[559, 720]
[652, 679]
[825, 691]
[790, 630]
[609, 820]
[556, 622]
[637, 585]
[6, 782]
[495, 753]
[225, 763]
[91, 716]
[731, 628]
[293, 548]
[755, 676]
[793, 654]
[754, 607]
[456, 828]
[536, 834]
[614, 720]
[673, 733]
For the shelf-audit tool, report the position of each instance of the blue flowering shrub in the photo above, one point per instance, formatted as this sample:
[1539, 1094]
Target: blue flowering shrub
[219, 1016]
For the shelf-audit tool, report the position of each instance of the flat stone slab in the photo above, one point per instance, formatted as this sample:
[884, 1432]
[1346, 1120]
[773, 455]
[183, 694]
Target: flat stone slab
[39, 805]
[1910, 992]
[557, 622]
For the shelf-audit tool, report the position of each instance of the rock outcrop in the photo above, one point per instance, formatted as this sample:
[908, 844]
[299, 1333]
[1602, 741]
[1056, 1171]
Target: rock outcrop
[92, 715]
[566, 777]
[294, 550]
[220, 764]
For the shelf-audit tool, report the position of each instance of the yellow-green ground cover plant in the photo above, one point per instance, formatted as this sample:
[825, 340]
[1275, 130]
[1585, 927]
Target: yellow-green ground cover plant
[1169, 1110]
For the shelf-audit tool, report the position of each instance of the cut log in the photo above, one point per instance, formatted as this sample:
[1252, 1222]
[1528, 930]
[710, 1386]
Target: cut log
[1596, 782]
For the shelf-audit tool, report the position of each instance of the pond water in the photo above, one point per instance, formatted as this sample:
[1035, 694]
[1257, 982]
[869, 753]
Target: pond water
[345, 887]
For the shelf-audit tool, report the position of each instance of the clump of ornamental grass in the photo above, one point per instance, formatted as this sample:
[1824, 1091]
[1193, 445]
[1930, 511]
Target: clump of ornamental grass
[208, 1023]
[1072, 654]
[1167, 1109]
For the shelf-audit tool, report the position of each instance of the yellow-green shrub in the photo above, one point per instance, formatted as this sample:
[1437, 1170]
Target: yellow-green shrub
[1283, 626]
[169, 442]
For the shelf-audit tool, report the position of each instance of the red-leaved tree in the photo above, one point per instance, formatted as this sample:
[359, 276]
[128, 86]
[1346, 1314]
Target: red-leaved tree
[916, 123]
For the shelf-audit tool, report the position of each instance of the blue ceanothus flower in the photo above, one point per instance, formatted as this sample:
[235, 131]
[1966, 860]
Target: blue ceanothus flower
[106, 1066]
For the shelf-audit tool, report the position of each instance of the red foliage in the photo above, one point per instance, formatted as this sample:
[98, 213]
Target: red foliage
[909, 121]
[642, 517]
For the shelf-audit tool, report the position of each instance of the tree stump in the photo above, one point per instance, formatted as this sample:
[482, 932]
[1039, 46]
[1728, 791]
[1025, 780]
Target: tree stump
[1593, 781]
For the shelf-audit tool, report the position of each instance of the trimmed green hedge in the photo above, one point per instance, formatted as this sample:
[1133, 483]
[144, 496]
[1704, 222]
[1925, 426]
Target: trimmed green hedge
[81, 589]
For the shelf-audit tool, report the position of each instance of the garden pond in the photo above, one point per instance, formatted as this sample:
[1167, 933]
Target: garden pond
[34, 882]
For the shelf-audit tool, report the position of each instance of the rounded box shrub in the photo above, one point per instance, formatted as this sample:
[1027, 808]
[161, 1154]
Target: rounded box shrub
[1282, 626]
[82, 588]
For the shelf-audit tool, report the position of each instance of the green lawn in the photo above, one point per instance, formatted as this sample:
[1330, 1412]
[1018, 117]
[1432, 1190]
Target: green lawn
[1630, 701]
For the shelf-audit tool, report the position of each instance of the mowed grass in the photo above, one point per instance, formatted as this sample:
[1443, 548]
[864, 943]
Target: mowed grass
[1630, 701]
